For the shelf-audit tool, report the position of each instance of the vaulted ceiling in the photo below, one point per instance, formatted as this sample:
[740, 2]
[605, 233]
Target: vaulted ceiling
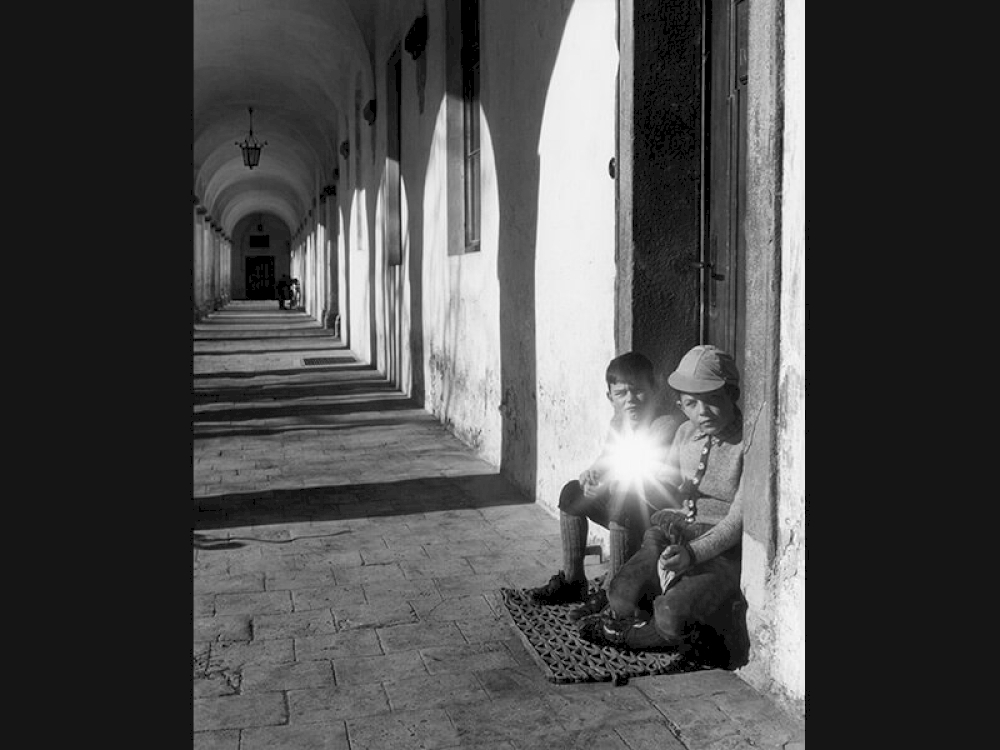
[295, 62]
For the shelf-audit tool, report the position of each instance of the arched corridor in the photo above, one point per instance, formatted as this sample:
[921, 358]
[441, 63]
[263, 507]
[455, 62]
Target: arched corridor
[483, 202]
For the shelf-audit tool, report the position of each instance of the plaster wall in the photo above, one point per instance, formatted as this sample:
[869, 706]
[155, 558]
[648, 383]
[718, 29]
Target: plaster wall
[397, 285]
[517, 335]
[789, 581]
[774, 470]
[458, 293]
[575, 249]
[509, 342]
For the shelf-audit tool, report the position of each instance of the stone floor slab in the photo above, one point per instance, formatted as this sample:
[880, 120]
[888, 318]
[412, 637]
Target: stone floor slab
[225, 739]
[428, 729]
[263, 602]
[379, 615]
[301, 579]
[222, 628]
[226, 584]
[483, 629]
[325, 736]
[274, 677]
[474, 657]
[294, 624]
[324, 705]
[649, 735]
[413, 636]
[239, 711]
[456, 608]
[606, 706]
[434, 691]
[345, 644]
[236, 655]
[368, 669]
[515, 682]
[326, 597]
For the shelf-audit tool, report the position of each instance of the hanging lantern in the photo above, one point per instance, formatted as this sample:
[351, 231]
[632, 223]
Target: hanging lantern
[251, 146]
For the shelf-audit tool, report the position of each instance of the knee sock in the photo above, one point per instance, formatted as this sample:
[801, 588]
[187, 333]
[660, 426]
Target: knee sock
[620, 551]
[573, 530]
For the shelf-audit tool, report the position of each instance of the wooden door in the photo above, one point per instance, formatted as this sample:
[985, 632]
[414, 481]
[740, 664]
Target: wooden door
[260, 277]
[724, 254]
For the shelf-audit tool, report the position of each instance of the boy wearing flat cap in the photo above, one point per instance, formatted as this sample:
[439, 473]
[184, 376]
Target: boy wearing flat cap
[689, 562]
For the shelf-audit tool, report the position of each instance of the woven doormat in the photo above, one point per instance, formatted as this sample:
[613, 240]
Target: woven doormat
[554, 642]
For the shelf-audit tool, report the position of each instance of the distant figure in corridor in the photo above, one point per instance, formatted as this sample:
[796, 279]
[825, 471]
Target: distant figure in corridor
[284, 291]
[688, 568]
[619, 491]
[296, 294]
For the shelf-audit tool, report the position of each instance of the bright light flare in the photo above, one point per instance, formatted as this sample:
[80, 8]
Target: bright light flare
[636, 462]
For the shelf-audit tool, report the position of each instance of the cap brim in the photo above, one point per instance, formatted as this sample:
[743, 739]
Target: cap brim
[686, 384]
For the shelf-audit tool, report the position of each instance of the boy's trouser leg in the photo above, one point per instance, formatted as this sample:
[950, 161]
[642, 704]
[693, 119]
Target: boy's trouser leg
[573, 532]
[695, 596]
[638, 577]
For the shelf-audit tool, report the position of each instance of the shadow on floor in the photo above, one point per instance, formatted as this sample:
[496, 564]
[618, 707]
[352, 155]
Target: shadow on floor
[306, 350]
[251, 413]
[208, 431]
[349, 365]
[244, 393]
[288, 335]
[353, 501]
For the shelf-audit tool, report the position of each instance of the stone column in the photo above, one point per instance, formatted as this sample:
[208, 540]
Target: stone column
[213, 260]
[201, 216]
[330, 269]
[195, 252]
[311, 239]
[206, 256]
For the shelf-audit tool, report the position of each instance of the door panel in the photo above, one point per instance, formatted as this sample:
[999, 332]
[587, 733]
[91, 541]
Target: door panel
[725, 248]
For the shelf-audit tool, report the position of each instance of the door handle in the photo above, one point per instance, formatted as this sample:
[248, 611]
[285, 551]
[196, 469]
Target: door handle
[715, 276]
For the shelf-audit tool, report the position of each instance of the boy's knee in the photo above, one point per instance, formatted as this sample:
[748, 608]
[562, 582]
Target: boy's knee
[671, 618]
[654, 538]
[571, 493]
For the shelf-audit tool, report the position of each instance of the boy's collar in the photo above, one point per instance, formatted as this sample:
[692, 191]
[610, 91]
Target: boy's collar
[730, 434]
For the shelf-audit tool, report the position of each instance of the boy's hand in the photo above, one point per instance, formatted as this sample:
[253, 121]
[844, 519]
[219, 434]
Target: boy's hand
[590, 480]
[676, 558]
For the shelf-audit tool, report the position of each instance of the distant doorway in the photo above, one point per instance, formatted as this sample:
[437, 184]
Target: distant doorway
[260, 277]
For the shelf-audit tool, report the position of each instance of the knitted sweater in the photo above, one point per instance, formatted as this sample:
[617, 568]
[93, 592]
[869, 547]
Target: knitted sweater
[717, 496]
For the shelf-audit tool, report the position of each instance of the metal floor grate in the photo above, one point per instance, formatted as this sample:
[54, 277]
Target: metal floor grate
[309, 361]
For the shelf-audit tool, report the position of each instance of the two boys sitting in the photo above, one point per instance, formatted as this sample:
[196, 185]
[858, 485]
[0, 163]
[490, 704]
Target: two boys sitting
[688, 563]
